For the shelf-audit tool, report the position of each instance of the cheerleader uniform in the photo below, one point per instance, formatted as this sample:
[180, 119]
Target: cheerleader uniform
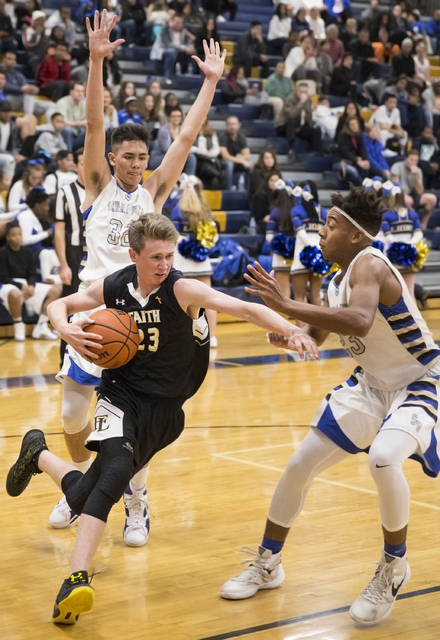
[402, 226]
[306, 234]
[190, 268]
[279, 263]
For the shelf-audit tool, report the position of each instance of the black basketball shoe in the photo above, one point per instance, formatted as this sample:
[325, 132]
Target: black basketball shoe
[76, 596]
[21, 472]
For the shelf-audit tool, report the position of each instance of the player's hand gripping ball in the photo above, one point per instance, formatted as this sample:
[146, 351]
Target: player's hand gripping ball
[120, 337]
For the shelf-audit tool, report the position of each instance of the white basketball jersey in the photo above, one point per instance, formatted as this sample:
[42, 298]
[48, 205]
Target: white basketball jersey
[399, 348]
[106, 225]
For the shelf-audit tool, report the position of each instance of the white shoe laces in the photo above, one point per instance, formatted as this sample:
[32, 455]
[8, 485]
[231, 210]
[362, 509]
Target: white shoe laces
[136, 506]
[253, 571]
[380, 583]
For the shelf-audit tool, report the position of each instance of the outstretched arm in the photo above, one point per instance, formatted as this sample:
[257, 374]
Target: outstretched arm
[96, 170]
[72, 333]
[193, 295]
[161, 181]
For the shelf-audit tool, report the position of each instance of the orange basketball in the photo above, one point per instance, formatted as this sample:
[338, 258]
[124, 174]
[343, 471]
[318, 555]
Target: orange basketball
[120, 337]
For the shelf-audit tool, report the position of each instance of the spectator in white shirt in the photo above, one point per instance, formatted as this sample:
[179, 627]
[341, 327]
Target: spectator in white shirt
[317, 24]
[63, 175]
[387, 117]
[279, 29]
[33, 176]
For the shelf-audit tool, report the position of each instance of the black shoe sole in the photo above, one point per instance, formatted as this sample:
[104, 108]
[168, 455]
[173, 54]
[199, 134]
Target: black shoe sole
[80, 600]
[29, 438]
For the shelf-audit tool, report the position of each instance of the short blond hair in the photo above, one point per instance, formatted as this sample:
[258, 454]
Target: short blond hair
[151, 226]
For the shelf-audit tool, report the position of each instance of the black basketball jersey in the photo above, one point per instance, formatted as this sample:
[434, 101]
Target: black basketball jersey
[173, 355]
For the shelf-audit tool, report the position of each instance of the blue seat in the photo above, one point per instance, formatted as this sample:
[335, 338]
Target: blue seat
[393, 159]
[315, 162]
[187, 82]
[259, 128]
[236, 220]
[234, 200]
[250, 243]
[338, 101]
[435, 239]
[302, 146]
[434, 220]
[242, 111]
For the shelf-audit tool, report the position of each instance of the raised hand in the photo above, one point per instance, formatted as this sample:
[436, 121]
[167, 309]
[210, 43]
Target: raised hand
[99, 38]
[266, 286]
[214, 62]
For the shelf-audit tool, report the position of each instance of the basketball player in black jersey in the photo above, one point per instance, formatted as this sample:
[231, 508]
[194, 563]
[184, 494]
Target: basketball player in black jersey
[139, 409]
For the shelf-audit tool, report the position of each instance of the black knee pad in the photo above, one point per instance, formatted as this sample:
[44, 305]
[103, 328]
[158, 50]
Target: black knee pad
[77, 487]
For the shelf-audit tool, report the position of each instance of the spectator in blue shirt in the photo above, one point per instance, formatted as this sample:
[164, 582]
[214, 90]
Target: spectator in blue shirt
[375, 149]
[433, 31]
[131, 111]
[336, 11]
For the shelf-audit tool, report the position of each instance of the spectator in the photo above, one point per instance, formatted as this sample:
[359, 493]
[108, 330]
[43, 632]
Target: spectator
[110, 112]
[62, 18]
[343, 81]
[33, 221]
[421, 63]
[206, 148]
[265, 199]
[317, 24]
[337, 50]
[348, 33]
[293, 41]
[299, 119]
[371, 14]
[193, 21]
[399, 89]
[63, 174]
[431, 96]
[127, 90]
[429, 158]
[55, 36]
[399, 27]
[23, 13]
[130, 113]
[324, 64]
[34, 39]
[9, 140]
[165, 138]
[351, 111]
[267, 163]
[433, 31]
[171, 102]
[337, 11]
[220, 7]
[207, 31]
[51, 139]
[325, 118]
[73, 108]
[152, 115]
[280, 222]
[387, 118]
[352, 159]
[157, 16]
[279, 29]
[363, 53]
[278, 87]
[7, 34]
[32, 176]
[111, 74]
[375, 152]
[410, 176]
[234, 151]
[300, 23]
[416, 119]
[131, 23]
[380, 38]
[81, 73]
[250, 51]
[236, 90]
[173, 45]
[53, 74]
[18, 280]
[403, 62]
[417, 27]
[301, 62]
[20, 93]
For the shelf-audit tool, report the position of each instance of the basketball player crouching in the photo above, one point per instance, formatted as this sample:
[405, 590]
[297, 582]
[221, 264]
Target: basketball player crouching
[141, 402]
[387, 407]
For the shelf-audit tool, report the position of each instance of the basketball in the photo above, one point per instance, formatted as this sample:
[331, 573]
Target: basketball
[120, 337]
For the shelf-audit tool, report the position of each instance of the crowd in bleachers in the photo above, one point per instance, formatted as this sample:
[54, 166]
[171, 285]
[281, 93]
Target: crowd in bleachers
[356, 92]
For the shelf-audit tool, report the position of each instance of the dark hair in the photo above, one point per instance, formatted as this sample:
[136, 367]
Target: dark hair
[36, 196]
[313, 189]
[128, 132]
[309, 206]
[61, 43]
[77, 154]
[365, 207]
[73, 83]
[56, 115]
[260, 161]
[413, 152]
[285, 205]
[255, 23]
[11, 225]
[63, 153]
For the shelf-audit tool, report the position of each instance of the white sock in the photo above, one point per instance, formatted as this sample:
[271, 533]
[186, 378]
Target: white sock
[139, 480]
[83, 466]
[43, 319]
[18, 319]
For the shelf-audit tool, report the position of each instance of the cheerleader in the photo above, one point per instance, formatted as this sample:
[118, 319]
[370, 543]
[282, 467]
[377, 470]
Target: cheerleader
[400, 224]
[198, 232]
[281, 236]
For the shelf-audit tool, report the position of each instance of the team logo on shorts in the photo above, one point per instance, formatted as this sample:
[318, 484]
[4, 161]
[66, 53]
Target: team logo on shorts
[101, 423]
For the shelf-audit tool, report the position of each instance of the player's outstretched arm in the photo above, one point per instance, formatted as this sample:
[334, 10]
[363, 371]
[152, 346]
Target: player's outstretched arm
[96, 170]
[192, 294]
[72, 333]
[367, 278]
[161, 181]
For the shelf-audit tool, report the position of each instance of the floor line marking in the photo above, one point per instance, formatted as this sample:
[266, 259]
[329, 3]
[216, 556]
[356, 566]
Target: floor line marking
[343, 485]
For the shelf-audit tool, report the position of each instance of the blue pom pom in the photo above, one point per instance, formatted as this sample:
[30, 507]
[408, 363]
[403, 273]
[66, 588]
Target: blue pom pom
[377, 244]
[311, 258]
[283, 245]
[192, 250]
[402, 254]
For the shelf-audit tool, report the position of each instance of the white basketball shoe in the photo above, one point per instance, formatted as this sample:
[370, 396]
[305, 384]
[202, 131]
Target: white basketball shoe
[137, 521]
[377, 599]
[264, 572]
[62, 515]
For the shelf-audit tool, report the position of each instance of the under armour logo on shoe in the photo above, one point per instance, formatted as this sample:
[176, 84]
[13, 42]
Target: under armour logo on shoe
[121, 302]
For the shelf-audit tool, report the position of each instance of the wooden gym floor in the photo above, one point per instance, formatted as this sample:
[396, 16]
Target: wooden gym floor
[209, 493]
